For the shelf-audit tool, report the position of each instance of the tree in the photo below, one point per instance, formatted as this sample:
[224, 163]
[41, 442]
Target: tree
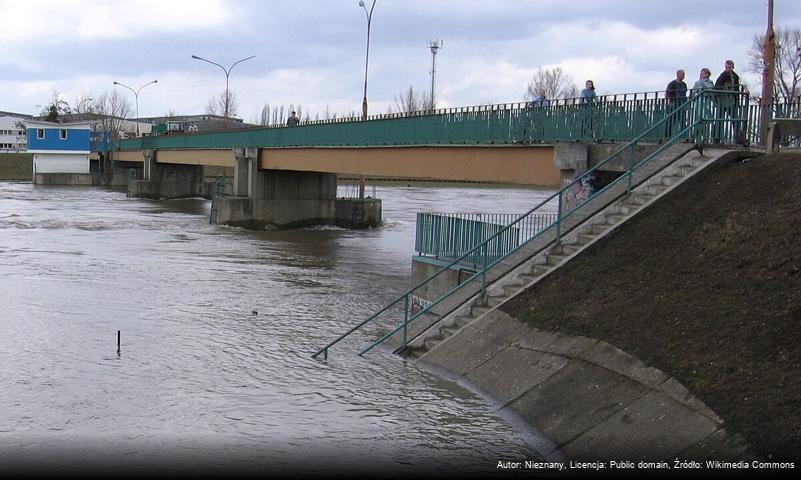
[84, 103]
[555, 82]
[225, 102]
[55, 107]
[787, 61]
[411, 101]
[114, 108]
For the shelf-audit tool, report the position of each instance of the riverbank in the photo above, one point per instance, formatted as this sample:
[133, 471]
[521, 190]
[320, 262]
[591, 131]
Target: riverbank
[706, 287]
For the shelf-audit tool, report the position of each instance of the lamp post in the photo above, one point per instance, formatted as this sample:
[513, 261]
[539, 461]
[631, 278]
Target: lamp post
[366, 60]
[227, 74]
[136, 96]
[367, 55]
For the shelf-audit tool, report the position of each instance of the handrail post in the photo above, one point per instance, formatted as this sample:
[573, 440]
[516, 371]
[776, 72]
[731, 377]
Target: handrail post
[559, 217]
[631, 169]
[405, 319]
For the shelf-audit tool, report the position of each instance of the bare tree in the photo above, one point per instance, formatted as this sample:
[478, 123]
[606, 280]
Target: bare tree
[225, 102]
[787, 61]
[411, 101]
[84, 103]
[114, 108]
[555, 82]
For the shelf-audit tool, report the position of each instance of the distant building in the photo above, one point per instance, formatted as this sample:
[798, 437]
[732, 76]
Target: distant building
[12, 132]
[197, 123]
[59, 147]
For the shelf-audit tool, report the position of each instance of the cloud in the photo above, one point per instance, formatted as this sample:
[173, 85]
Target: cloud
[58, 22]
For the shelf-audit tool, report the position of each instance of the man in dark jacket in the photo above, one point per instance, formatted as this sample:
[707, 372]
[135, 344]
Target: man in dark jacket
[729, 103]
[676, 95]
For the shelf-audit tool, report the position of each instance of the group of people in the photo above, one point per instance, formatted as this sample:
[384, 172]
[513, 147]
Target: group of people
[676, 89]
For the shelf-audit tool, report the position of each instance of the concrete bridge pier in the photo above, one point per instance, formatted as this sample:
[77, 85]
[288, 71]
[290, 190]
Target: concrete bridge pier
[164, 180]
[290, 199]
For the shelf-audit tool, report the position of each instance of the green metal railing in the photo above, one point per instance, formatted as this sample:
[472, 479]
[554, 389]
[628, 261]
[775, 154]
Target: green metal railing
[698, 118]
[451, 235]
[619, 117]
[217, 192]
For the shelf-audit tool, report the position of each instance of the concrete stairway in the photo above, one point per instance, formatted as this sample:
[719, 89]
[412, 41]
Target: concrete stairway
[557, 254]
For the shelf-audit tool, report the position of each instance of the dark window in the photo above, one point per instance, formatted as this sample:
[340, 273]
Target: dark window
[62, 134]
[40, 133]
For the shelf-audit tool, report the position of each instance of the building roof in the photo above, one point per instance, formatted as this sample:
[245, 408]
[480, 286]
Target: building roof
[44, 124]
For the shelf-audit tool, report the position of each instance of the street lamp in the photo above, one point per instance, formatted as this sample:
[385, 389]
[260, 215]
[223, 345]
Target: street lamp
[136, 96]
[227, 74]
[367, 55]
[366, 60]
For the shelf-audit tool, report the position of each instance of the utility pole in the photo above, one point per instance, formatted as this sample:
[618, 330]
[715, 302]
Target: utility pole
[434, 45]
[768, 75]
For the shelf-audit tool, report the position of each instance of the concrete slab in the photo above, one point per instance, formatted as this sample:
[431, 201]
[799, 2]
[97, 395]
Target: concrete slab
[476, 343]
[678, 392]
[514, 371]
[652, 428]
[575, 399]
[721, 445]
[615, 359]
[556, 343]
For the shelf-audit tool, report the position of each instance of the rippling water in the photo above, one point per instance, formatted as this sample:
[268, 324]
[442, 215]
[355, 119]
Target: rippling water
[201, 381]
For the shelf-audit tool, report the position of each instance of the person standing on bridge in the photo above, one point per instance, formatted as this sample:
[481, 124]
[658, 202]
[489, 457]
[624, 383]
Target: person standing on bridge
[676, 95]
[588, 92]
[586, 98]
[729, 102]
[292, 120]
[540, 101]
[707, 112]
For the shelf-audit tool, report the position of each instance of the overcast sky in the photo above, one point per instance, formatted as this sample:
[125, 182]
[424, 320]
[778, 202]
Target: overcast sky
[312, 51]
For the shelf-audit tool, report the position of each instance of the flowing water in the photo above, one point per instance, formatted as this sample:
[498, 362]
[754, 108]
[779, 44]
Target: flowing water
[217, 327]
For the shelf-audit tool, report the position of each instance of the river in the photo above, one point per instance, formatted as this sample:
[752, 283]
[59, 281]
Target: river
[217, 328]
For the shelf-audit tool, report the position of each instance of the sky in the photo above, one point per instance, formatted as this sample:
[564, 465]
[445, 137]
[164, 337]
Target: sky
[312, 52]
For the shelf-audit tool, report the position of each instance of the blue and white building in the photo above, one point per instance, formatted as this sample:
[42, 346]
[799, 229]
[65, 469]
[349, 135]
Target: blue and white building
[59, 147]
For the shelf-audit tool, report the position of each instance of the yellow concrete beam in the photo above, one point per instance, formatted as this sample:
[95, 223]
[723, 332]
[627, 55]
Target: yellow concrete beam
[529, 165]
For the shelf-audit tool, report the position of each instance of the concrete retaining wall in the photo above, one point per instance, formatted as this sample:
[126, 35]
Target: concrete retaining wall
[592, 400]
[16, 166]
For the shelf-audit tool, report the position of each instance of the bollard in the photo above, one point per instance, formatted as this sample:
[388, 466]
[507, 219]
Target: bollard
[118, 342]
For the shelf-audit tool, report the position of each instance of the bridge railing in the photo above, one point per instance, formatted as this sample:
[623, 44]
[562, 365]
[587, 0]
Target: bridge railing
[699, 118]
[619, 117]
[445, 236]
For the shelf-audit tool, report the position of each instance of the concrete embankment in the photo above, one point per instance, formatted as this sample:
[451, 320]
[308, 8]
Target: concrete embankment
[676, 335]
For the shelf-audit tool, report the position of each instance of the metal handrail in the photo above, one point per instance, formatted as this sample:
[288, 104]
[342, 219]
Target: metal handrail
[614, 117]
[695, 105]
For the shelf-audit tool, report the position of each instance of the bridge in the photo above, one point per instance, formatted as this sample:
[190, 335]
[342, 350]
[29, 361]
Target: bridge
[286, 176]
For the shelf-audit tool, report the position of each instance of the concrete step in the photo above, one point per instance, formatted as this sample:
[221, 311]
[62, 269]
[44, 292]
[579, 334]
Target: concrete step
[526, 277]
[613, 218]
[554, 259]
[446, 332]
[495, 300]
[600, 228]
[463, 321]
[637, 199]
[624, 209]
[512, 289]
[571, 248]
[670, 180]
[584, 238]
[478, 310]
[431, 342]
[655, 189]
